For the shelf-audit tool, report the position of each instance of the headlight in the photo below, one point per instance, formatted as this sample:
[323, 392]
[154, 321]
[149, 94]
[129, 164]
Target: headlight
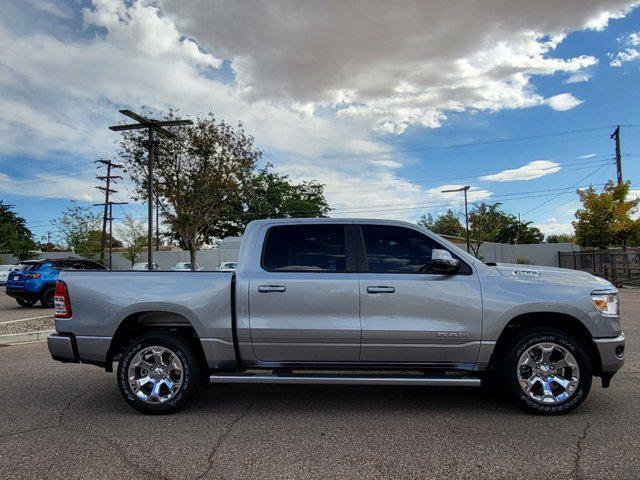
[607, 303]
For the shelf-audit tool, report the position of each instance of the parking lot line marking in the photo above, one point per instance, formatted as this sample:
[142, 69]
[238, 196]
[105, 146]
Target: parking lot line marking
[25, 319]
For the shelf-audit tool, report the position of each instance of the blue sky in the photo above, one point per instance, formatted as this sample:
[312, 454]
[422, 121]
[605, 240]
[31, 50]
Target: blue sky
[385, 110]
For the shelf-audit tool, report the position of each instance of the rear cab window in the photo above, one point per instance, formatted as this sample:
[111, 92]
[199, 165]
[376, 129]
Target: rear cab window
[305, 248]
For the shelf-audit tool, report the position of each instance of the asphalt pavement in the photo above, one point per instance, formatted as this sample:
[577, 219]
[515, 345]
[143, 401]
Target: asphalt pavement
[68, 421]
[10, 310]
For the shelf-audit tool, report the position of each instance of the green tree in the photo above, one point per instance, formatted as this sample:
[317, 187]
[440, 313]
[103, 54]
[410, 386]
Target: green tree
[446, 224]
[206, 183]
[560, 238]
[489, 223]
[133, 234]
[270, 195]
[15, 237]
[605, 217]
[79, 230]
[197, 174]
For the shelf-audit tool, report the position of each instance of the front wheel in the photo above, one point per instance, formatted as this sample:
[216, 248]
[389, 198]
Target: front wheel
[547, 371]
[158, 372]
[23, 302]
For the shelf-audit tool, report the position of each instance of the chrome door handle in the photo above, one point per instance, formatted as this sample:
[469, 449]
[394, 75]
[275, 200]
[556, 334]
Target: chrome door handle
[271, 288]
[381, 289]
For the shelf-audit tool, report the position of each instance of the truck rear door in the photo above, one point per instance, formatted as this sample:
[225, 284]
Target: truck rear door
[304, 295]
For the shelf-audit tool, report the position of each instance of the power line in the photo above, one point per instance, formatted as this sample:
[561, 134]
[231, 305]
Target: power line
[568, 188]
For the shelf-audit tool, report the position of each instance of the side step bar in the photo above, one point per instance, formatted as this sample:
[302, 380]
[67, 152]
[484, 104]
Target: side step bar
[349, 380]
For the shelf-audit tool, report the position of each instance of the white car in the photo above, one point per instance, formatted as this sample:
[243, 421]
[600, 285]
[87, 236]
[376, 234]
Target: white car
[227, 266]
[4, 273]
[186, 266]
[144, 266]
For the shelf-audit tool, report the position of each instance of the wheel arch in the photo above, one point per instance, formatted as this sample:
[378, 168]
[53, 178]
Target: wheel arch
[559, 321]
[140, 323]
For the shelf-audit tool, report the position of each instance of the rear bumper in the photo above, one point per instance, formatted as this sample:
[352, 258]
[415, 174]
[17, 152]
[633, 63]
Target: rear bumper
[611, 352]
[63, 348]
[66, 347]
[19, 293]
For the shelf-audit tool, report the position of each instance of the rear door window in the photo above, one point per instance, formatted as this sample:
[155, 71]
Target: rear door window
[305, 248]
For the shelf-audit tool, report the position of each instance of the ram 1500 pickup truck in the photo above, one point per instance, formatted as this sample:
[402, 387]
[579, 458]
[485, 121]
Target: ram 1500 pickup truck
[342, 301]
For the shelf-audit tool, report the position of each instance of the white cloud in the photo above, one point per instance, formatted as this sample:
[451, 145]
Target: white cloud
[563, 102]
[312, 81]
[45, 186]
[395, 68]
[587, 155]
[624, 56]
[52, 7]
[530, 171]
[554, 227]
[627, 54]
[578, 78]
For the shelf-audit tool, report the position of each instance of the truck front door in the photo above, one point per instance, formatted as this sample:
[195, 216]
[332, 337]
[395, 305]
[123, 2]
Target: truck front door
[304, 296]
[411, 315]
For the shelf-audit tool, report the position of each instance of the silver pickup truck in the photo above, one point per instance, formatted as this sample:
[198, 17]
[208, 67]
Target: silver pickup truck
[341, 301]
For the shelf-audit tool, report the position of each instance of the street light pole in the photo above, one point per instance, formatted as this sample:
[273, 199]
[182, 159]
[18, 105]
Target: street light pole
[464, 189]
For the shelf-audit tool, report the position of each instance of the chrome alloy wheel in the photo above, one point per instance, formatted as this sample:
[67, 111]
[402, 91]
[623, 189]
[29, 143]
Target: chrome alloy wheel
[155, 374]
[548, 373]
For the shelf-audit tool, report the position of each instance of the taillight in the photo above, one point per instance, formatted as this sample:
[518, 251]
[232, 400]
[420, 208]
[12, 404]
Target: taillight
[32, 275]
[61, 301]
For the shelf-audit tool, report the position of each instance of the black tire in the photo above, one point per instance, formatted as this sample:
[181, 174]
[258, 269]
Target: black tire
[23, 302]
[190, 373]
[509, 370]
[46, 297]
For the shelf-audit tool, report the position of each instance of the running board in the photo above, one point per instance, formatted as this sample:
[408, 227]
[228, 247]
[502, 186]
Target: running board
[443, 381]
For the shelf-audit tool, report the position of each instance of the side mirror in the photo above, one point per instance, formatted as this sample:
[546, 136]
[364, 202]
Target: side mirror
[443, 262]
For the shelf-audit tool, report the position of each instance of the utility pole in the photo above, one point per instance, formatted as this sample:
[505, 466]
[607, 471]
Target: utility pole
[157, 224]
[464, 189]
[616, 135]
[107, 191]
[110, 205]
[152, 126]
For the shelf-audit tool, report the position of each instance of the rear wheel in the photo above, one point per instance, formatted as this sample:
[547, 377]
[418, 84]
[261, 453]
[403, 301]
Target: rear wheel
[26, 303]
[46, 298]
[547, 371]
[157, 373]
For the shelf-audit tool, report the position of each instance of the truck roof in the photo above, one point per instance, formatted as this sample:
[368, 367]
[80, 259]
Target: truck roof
[271, 221]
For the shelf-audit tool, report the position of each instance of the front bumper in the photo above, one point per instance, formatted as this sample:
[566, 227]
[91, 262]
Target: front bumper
[611, 352]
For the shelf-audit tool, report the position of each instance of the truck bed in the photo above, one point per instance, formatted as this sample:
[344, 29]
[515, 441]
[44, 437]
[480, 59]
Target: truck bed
[104, 301]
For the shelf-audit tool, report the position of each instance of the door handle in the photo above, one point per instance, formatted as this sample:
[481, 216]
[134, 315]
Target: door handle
[272, 288]
[381, 289]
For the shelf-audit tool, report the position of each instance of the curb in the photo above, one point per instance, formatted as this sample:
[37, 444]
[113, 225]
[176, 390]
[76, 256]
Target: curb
[28, 337]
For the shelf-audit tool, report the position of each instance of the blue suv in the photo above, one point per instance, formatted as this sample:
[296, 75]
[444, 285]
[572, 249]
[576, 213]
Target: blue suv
[35, 280]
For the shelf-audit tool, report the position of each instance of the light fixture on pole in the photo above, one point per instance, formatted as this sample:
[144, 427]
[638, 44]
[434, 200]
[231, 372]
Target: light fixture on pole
[466, 213]
[152, 126]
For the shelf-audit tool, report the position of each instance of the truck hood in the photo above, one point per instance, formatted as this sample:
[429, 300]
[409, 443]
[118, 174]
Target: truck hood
[564, 276]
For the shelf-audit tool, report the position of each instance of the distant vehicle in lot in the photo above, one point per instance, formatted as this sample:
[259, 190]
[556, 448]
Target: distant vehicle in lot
[340, 297]
[35, 280]
[145, 266]
[4, 273]
[227, 266]
[185, 266]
